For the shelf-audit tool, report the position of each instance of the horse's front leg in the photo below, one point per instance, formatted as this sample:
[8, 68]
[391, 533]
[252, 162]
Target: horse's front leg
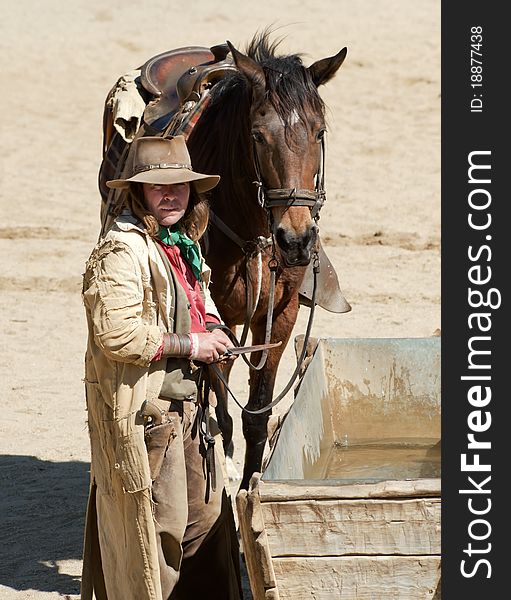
[262, 384]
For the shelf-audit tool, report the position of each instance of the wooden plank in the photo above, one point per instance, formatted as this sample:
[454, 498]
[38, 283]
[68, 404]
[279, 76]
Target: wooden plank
[340, 527]
[358, 578]
[255, 544]
[278, 491]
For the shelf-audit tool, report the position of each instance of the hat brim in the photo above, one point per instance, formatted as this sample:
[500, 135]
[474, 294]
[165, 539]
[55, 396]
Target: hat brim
[201, 182]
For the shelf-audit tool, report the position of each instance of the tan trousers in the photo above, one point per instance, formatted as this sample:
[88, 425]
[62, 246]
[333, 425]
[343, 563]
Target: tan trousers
[195, 537]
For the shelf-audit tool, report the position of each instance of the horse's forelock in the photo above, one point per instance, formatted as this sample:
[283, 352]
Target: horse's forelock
[289, 85]
[293, 90]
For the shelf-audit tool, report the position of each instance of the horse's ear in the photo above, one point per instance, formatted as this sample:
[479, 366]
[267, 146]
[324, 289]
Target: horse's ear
[250, 69]
[323, 70]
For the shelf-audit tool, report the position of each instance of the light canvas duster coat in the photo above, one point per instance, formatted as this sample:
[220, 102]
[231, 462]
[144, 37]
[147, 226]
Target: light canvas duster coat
[129, 304]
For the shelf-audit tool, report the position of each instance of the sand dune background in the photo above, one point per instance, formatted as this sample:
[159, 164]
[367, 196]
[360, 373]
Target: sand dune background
[380, 226]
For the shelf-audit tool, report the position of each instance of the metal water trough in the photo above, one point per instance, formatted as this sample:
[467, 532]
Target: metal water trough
[331, 516]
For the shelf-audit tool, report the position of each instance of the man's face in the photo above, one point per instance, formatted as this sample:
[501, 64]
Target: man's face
[168, 202]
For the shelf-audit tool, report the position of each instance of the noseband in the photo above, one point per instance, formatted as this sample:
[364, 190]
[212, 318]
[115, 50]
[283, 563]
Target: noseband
[270, 198]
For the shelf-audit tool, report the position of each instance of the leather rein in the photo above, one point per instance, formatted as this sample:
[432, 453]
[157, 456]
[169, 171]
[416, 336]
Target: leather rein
[299, 363]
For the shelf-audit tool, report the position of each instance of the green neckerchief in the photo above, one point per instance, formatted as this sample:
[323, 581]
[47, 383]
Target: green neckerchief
[189, 250]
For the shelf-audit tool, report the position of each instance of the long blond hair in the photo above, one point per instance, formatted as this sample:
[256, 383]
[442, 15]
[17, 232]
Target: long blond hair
[194, 222]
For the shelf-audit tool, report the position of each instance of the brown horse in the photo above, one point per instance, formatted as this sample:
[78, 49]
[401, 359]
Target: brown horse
[264, 124]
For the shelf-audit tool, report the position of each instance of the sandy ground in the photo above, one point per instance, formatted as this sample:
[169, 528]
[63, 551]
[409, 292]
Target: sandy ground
[380, 225]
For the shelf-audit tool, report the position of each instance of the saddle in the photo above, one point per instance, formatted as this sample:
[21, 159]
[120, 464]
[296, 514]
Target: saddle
[179, 76]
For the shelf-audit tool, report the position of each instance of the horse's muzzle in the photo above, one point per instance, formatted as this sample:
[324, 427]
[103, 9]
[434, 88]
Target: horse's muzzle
[296, 250]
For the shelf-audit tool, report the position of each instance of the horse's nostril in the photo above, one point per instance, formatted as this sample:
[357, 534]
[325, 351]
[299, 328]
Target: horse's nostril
[282, 239]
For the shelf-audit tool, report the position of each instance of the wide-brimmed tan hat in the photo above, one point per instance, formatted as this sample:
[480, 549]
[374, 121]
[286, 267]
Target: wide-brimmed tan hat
[162, 161]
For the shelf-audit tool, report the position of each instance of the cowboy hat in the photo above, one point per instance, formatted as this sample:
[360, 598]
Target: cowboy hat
[162, 161]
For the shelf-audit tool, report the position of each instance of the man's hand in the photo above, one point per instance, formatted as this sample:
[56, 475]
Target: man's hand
[211, 346]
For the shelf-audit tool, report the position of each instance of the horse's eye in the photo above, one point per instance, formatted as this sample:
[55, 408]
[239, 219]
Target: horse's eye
[258, 137]
[321, 134]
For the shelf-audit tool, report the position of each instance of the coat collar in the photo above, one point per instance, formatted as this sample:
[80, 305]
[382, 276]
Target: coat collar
[127, 222]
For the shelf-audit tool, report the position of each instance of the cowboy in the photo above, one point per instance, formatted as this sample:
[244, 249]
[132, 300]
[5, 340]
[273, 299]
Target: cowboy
[159, 522]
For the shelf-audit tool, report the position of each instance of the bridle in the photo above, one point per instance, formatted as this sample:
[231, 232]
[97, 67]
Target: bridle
[270, 198]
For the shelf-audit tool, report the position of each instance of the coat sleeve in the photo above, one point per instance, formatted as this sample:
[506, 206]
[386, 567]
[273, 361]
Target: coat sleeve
[120, 317]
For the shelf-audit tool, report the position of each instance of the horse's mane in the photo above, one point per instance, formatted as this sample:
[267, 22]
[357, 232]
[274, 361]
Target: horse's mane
[220, 142]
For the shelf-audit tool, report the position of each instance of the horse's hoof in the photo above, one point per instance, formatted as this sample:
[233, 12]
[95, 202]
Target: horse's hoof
[232, 472]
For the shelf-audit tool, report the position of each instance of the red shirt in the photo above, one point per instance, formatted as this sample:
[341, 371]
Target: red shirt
[192, 288]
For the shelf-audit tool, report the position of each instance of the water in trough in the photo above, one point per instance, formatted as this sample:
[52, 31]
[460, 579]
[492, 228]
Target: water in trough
[370, 460]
